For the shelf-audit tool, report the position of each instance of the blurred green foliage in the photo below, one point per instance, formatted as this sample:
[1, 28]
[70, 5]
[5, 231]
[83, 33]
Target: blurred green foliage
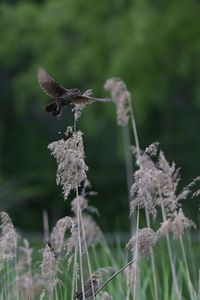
[153, 46]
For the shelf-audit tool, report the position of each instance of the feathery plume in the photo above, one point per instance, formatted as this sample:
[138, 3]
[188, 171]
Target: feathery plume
[176, 224]
[58, 234]
[25, 260]
[70, 156]
[26, 286]
[93, 233]
[144, 189]
[130, 274]
[71, 243]
[145, 239]
[49, 269]
[9, 238]
[164, 228]
[155, 183]
[179, 223]
[82, 203]
[25, 282]
[121, 97]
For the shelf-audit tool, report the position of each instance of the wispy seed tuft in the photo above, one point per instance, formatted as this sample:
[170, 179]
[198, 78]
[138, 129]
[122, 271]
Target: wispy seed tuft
[49, 269]
[121, 97]
[145, 239]
[69, 154]
[58, 234]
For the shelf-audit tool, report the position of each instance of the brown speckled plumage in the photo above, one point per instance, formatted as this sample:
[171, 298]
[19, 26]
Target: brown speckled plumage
[94, 282]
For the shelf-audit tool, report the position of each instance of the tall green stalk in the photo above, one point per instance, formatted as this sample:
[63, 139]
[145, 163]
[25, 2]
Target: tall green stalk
[191, 288]
[79, 236]
[79, 246]
[114, 275]
[74, 276]
[134, 127]
[172, 265]
[135, 255]
[87, 254]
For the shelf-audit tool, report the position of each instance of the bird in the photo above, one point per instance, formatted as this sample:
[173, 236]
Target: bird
[91, 286]
[62, 96]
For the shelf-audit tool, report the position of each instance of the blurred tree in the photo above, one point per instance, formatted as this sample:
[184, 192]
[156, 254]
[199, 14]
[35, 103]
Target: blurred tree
[152, 45]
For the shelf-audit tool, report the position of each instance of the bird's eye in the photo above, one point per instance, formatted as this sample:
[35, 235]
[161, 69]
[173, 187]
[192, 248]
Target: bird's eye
[76, 90]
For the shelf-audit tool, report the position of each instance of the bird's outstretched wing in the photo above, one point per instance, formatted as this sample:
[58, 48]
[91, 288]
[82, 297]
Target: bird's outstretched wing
[49, 85]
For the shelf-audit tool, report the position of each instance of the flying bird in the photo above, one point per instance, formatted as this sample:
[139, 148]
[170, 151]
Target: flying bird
[62, 96]
[91, 286]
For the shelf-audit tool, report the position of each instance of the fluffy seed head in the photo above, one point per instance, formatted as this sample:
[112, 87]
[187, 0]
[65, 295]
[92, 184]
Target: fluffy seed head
[25, 260]
[9, 238]
[58, 234]
[93, 233]
[71, 243]
[130, 274]
[179, 223]
[155, 183]
[80, 202]
[144, 189]
[49, 269]
[145, 239]
[164, 228]
[70, 156]
[176, 224]
[121, 98]
[26, 286]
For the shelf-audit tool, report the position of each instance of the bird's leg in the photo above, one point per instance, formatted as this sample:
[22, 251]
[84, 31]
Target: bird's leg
[58, 105]
[58, 109]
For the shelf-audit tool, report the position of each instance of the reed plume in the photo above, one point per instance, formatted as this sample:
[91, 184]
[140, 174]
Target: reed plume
[49, 269]
[58, 234]
[70, 157]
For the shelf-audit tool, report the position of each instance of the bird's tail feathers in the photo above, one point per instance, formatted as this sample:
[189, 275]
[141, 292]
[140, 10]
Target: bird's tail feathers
[53, 109]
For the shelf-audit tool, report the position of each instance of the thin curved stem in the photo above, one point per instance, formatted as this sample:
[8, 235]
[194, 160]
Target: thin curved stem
[191, 288]
[80, 248]
[134, 129]
[114, 275]
[136, 254]
[129, 170]
[175, 281]
[74, 278]
[79, 235]
[87, 254]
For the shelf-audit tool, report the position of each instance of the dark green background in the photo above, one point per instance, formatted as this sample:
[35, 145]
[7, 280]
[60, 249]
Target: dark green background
[154, 46]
